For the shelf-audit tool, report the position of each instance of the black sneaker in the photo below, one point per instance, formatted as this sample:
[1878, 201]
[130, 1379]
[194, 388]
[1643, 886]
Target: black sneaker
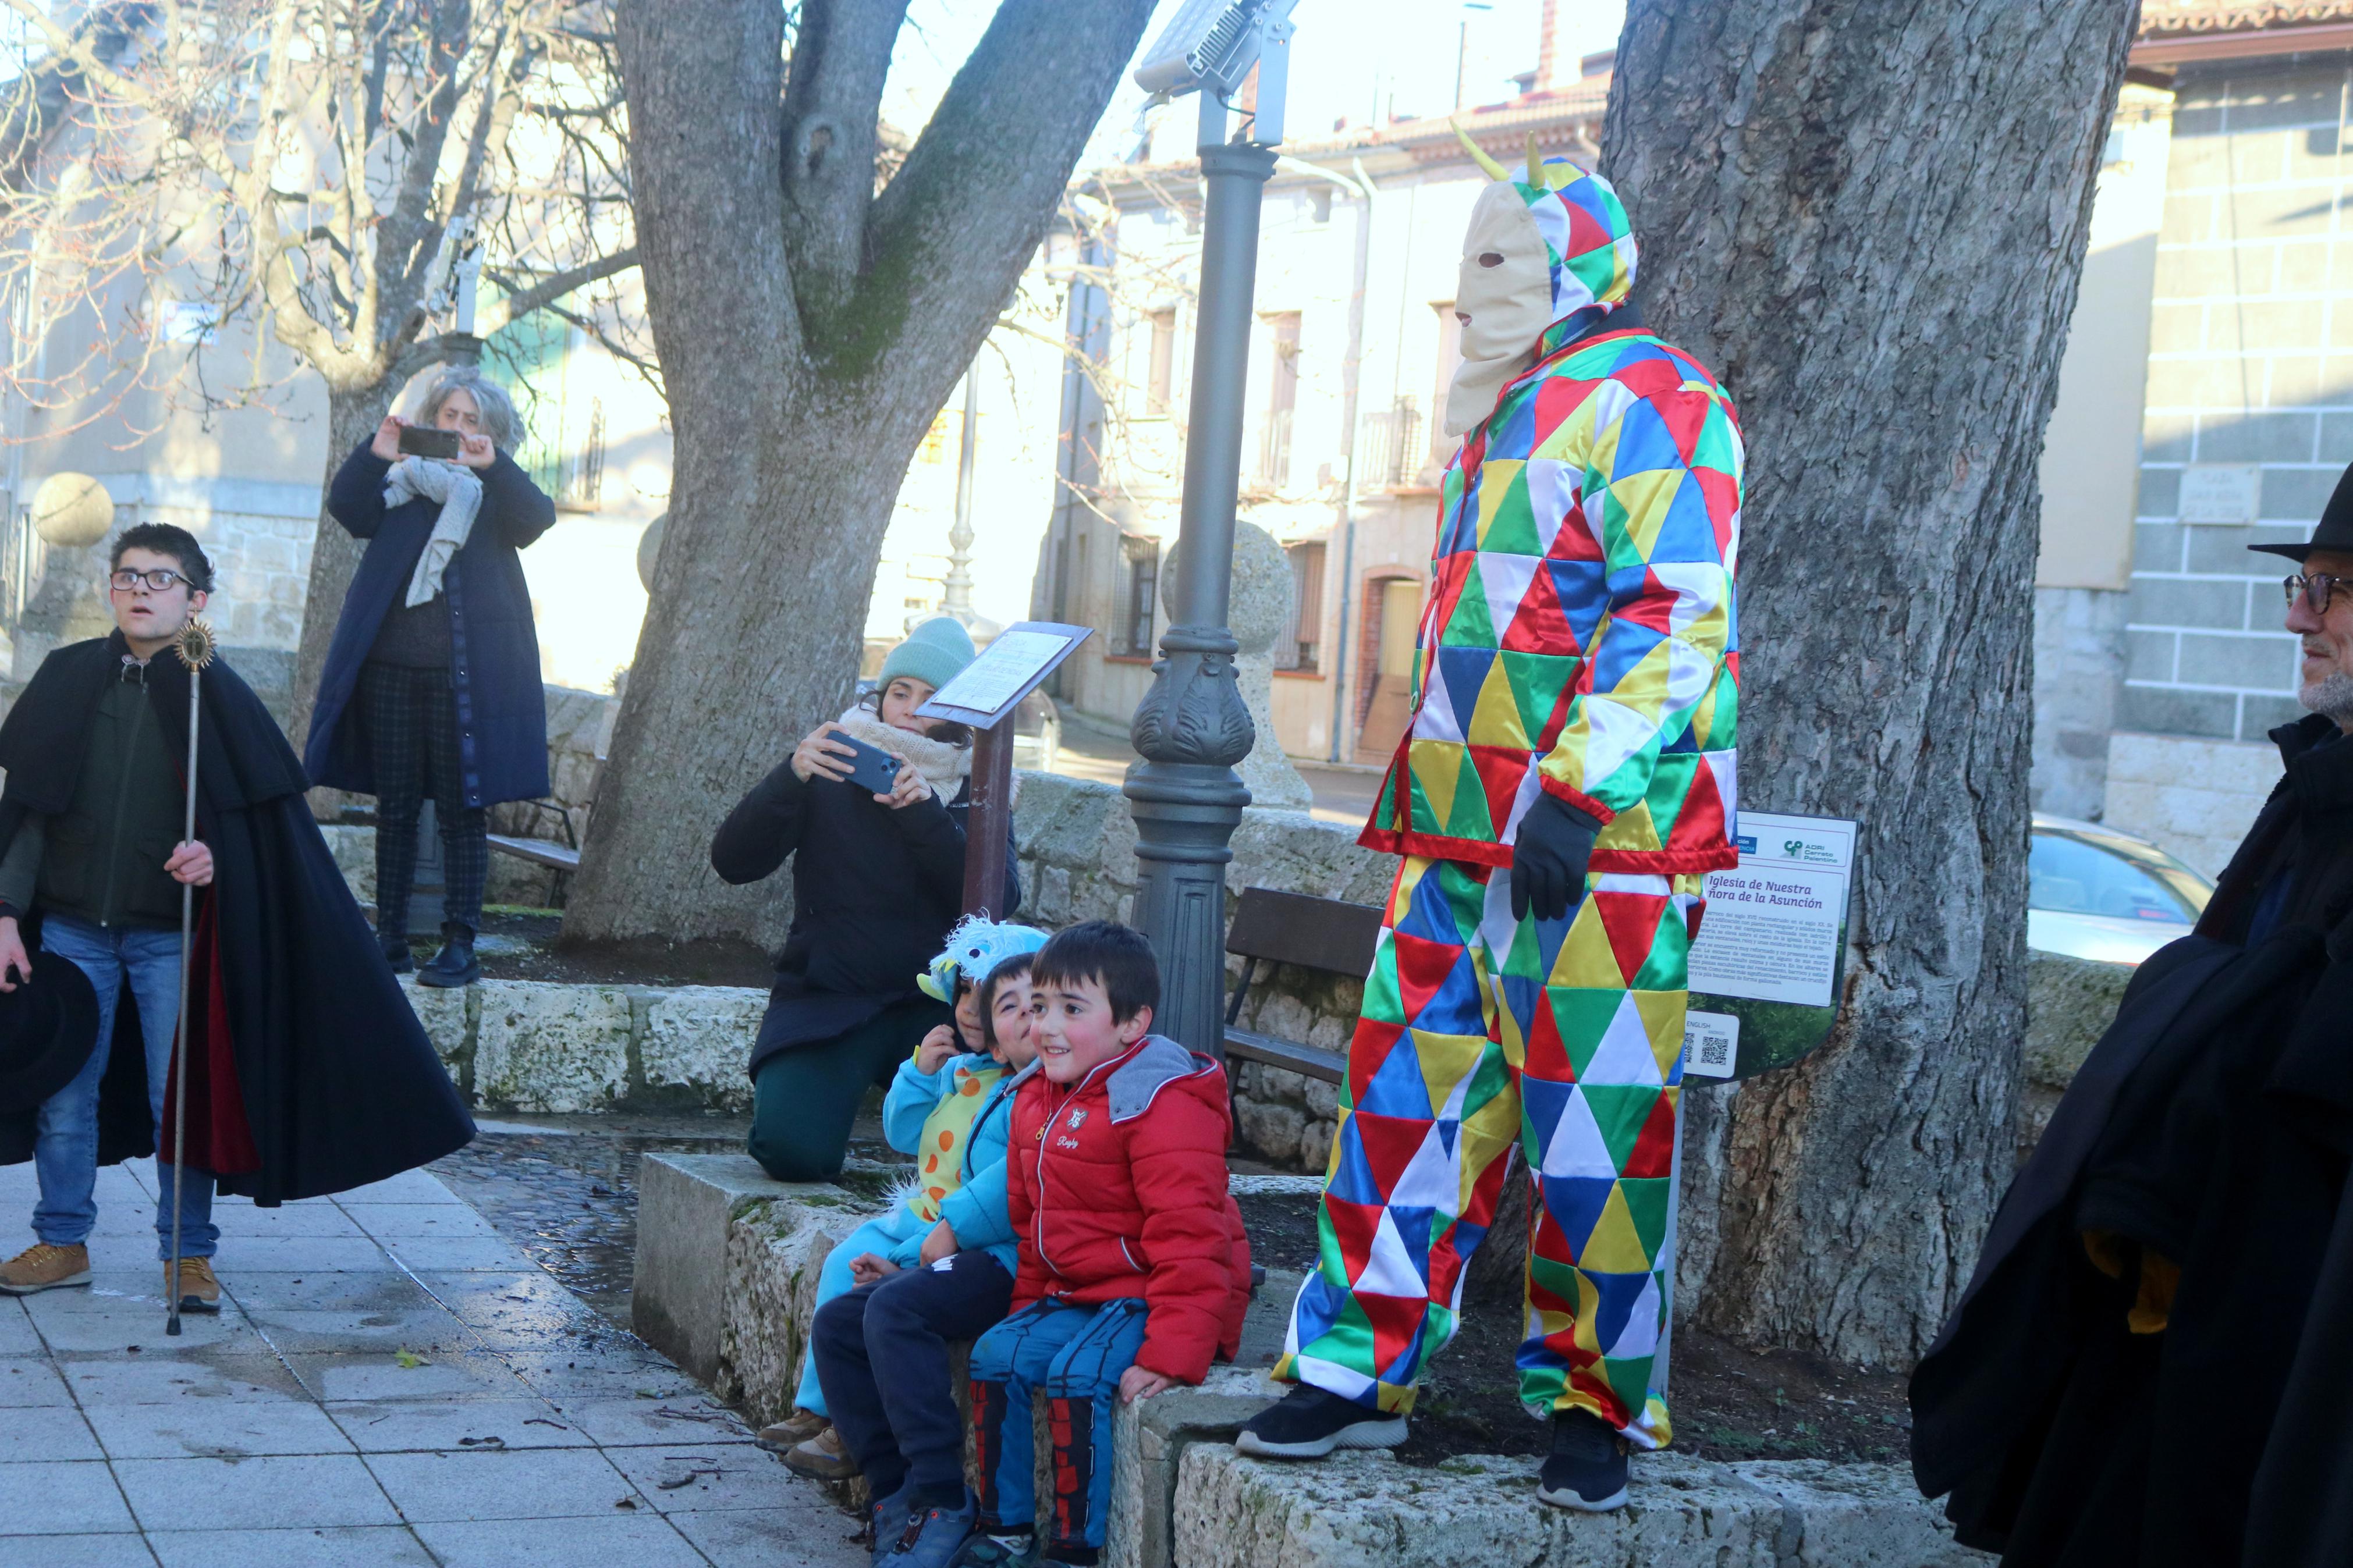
[396, 953]
[455, 964]
[1308, 1423]
[1587, 1470]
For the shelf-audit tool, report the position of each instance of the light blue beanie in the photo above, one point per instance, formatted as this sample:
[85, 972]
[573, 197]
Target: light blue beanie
[934, 653]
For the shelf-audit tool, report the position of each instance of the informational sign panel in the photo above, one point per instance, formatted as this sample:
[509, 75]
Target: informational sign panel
[1765, 969]
[2221, 492]
[1009, 669]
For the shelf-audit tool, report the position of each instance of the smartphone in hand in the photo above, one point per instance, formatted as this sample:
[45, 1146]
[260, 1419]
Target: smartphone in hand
[872, 769]
[424, 441]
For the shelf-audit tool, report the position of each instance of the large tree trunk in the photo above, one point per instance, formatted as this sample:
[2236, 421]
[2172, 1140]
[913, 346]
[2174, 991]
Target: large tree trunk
[1869, 221]
[808, 331]
[351, 417]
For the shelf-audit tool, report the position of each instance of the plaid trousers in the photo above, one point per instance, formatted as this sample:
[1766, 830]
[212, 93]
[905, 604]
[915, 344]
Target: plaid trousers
[411, 724]
[1480, 1030]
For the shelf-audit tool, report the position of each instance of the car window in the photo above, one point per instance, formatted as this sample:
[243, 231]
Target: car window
[2067, 876]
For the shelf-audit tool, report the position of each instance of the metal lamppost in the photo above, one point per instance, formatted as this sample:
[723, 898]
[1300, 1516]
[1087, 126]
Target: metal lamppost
[1192, 727]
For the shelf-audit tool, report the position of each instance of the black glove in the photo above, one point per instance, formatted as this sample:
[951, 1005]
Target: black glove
[1555, 841]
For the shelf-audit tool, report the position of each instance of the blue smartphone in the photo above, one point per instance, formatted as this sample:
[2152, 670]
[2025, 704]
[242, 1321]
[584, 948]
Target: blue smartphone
[872, 769]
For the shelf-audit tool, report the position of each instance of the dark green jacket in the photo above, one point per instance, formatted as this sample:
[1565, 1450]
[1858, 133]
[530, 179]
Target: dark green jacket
[102, 858]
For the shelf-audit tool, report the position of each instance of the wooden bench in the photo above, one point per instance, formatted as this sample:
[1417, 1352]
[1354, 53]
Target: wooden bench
[1324, 934]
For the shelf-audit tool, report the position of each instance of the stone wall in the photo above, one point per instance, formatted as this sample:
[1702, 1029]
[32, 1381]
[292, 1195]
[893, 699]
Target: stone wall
[2249, 401]
[2192, 798]
[530, 1045]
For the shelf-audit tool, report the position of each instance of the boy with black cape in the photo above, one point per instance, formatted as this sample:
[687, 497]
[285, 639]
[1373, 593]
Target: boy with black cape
[307, 1071]
[2150, 1368]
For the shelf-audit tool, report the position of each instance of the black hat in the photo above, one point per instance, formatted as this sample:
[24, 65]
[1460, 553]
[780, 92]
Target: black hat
[2336, 529]
[48, 1027]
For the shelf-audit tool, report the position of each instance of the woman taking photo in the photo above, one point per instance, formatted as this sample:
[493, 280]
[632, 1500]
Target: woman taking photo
[432, 682]
[877, 882]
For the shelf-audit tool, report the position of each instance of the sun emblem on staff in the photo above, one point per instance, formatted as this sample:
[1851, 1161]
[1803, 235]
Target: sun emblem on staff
[196, 644]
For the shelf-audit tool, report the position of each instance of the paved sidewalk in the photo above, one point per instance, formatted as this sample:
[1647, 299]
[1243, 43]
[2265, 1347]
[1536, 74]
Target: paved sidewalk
[392, 1383]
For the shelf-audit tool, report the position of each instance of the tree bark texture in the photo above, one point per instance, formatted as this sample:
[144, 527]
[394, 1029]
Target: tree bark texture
[1869, 221]
[808, 329]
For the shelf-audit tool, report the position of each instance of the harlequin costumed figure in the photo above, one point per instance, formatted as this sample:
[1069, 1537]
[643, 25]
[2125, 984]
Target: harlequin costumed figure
[1566, 782]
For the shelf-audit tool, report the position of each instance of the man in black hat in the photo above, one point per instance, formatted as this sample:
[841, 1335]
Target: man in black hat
[307, 1071]
[2149, 1367]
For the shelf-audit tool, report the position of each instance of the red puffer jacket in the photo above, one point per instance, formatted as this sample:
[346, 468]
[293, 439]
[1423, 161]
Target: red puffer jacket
[1117, 1188]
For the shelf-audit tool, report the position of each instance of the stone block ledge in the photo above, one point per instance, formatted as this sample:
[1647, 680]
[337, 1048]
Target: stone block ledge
[1354, 1511]
[539, 1046]
[726, 1285]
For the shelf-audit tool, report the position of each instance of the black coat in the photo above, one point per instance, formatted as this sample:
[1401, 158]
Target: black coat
[2211, 1127]
[874, 892]
[494, 651]
[336, 1082]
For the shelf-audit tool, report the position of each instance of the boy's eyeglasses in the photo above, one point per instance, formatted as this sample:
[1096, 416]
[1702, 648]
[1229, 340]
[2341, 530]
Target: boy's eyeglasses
[159, 580]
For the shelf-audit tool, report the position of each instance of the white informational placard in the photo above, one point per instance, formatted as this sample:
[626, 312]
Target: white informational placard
[1006, 671]
[1711, 1044]
[2221, 492]
[1773, 927]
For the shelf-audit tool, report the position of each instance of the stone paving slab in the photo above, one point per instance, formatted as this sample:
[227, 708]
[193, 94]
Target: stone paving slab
[390, 1383]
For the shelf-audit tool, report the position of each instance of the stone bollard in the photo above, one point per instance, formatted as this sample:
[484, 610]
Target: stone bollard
[1259, 612]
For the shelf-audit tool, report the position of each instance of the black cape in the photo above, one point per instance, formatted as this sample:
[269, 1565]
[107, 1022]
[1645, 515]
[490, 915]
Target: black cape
[335, 1083]
[2211, 1128]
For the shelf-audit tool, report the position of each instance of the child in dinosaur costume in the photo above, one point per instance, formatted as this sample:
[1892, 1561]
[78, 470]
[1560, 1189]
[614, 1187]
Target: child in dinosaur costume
[1575, 692]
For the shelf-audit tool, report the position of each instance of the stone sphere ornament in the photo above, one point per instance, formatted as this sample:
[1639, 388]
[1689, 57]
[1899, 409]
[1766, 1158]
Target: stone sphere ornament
[650, 546]
[72, 511]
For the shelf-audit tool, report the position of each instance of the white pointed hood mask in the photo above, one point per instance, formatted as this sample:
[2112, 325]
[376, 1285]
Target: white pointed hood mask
[1549, 253]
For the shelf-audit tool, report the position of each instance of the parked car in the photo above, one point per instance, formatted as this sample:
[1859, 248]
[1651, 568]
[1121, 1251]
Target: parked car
[2097, 893]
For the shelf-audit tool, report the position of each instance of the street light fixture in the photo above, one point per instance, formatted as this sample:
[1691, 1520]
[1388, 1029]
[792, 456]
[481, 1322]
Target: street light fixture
[1192, 727]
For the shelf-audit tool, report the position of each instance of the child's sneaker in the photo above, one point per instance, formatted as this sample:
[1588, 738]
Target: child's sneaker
[793, 1430]
[1307, 1424]
[934, 1536]
[886, 1520]
[1587, 1470]
[821, 1457]
[985, 1550]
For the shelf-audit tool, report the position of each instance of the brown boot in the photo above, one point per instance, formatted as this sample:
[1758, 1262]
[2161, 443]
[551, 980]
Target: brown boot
[791, 1432]
[44, 1268]
[822, 1458]
[199, 1286]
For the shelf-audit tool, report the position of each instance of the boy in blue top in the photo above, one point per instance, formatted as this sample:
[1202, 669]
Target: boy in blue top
[881, 1350]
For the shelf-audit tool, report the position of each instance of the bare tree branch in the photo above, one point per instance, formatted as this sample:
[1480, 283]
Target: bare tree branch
[841, 54]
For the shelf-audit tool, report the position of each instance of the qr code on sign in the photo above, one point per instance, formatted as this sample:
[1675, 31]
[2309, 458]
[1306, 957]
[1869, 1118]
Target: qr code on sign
[1715, 1051]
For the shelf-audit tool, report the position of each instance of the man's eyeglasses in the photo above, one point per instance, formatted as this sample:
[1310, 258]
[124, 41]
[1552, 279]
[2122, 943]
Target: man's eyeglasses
[2315, 589]
[159, 580]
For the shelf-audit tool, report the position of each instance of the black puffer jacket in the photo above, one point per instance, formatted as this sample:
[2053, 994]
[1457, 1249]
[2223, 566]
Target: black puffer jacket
[874, 892]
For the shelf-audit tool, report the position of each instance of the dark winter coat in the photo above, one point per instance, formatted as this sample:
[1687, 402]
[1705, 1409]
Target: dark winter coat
[874, 892]
[1116, 1187]
[494, 652]
[310, 1074]
[2082, 1407]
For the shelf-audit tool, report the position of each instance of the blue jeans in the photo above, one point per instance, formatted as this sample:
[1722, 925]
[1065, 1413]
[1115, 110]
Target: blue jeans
[65, 1152]
[1076, 1354]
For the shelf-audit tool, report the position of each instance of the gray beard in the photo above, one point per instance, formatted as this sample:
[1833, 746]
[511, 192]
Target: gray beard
[2331, 696]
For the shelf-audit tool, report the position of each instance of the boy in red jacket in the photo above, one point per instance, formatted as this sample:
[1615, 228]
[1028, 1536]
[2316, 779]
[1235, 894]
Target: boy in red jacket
[1134, 1272]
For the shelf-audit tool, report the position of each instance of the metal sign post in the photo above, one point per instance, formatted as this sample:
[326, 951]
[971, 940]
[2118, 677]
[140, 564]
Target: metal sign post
[984, 697]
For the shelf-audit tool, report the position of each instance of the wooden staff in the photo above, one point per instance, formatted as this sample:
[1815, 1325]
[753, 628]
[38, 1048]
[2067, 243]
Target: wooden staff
[194, 645]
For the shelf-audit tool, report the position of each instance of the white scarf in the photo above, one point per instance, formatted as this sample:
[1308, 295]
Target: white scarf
[459, 491]
[943, 767]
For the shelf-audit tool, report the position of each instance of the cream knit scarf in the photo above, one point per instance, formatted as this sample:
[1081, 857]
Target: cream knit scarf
[943, 766]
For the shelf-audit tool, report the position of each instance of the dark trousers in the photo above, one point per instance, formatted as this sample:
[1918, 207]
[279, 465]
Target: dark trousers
[412, 737]
[805, 1096]
[882, 1360]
